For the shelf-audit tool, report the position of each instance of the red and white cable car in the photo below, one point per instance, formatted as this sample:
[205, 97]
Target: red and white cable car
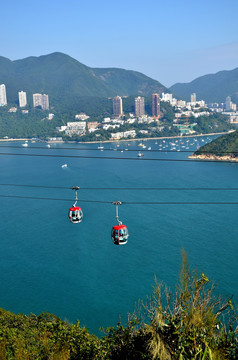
[119, 233]
[75, 212]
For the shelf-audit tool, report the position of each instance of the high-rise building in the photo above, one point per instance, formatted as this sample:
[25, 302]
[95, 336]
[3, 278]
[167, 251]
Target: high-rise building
[45, 102]
[156, 105]
[3, 95]
[193, 98]
[41, 100]
[22, 98]
[139, 106]
[117, 106]
[228, 103]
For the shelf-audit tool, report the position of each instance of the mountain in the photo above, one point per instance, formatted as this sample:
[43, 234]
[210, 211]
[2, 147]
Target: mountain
[211, 88]
[64, 78]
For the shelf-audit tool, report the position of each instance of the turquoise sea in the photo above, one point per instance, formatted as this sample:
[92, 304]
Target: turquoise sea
[74, 270]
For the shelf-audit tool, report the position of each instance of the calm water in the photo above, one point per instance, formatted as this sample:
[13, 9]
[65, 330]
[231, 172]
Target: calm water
[74, 271]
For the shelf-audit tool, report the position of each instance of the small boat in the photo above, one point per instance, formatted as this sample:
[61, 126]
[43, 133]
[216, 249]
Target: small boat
[140, 154]
[48, 145]
[149, 148]
[25, 144]
[100, 147]
[64, 166]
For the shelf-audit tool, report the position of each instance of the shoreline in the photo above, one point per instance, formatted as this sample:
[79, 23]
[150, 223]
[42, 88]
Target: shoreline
[211, 157]
[121, 140]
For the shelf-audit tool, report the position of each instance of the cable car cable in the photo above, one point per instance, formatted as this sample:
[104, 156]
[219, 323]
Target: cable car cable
[120, 158]
[129, 150]
[126, 202]
[127, 189]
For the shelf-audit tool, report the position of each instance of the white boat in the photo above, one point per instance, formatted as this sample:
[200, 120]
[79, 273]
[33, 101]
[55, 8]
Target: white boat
[149, 148]
[100, 147]
[25, 144]
[64, 166]
[48, 145]
[140, 154]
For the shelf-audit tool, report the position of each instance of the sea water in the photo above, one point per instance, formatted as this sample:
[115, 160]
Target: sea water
[74, 270]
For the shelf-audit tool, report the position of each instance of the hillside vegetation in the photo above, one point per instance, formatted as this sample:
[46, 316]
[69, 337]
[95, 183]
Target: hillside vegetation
[65, 80]
[224, 145]
[190, 324]
[211, 88]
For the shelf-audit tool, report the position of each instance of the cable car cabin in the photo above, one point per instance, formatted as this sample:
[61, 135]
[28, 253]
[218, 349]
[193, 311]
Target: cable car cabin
[75, 214]
[119, 234]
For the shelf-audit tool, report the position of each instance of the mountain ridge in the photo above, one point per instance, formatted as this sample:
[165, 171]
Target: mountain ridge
[63, 77]
[211, 87]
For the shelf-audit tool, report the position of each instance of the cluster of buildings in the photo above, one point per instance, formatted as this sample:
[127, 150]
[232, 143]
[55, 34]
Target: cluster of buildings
[139, 106]
[108, 124]
[184, 110]
[39, 100]
[81, 125]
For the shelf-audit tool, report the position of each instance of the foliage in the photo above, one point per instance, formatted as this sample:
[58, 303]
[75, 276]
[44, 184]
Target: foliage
[44, 337]
[213, 123]
[223, 145]
[190, 325]
[193, 324]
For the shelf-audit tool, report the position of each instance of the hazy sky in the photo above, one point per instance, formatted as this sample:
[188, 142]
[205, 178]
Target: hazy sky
[168, 40]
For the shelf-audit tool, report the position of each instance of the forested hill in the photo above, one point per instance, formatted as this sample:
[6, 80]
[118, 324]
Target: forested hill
[64, 78]
[222, 146]
[211, 88]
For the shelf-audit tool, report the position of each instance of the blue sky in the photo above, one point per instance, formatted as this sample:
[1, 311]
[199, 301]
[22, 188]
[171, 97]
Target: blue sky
[170, 41]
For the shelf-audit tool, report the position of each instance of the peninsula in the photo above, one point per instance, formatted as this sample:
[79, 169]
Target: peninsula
[223, 148]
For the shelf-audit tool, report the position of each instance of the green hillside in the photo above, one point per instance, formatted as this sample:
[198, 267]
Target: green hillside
[65, 79]
[211, 88]
[224, 145]
[129, 82]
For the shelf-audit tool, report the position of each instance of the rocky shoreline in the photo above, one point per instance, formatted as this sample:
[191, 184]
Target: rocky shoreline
[209, 157]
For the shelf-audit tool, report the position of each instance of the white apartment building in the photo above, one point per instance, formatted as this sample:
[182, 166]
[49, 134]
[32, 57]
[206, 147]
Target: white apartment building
[81, 116]
[75, 128]
[197, 104]
[145, 119]
[230, 105]
[22, 98]
[167, 97]
[128, 133]
[117, 135]
[3, 95]
[124, 134]
[110, 126]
